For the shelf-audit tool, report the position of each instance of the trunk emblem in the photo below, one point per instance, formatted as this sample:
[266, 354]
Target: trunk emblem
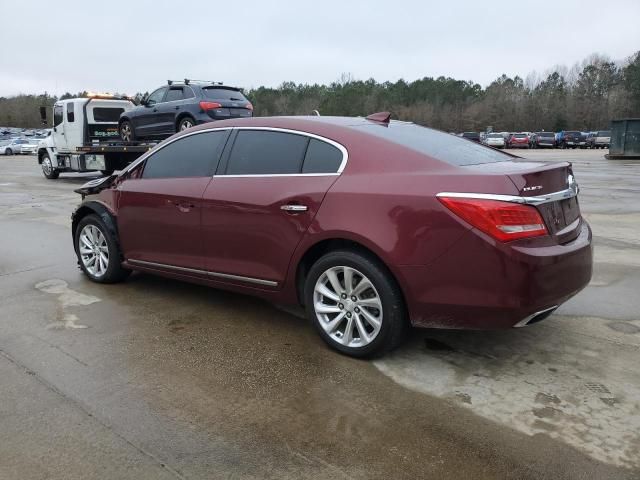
[529, 189]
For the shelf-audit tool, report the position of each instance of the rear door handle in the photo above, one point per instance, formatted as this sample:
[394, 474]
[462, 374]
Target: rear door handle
[294, 208]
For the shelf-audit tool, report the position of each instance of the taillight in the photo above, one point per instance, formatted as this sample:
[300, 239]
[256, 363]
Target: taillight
[209, 105]
[249, 106]
[504, 221]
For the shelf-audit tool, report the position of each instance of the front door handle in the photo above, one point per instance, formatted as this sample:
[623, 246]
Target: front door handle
[294, 208]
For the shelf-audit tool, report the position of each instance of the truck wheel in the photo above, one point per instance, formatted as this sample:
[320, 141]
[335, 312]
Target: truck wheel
[126, 131]
[184, 123]
[47, 168]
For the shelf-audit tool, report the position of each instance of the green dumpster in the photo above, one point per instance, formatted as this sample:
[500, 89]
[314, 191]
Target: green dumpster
[625, 138]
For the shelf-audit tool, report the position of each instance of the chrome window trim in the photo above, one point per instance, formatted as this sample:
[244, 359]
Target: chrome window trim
[535, 200]
[345, 153]
[227, 276]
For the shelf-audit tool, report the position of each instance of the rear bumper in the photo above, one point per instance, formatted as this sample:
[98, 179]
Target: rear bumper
[481, 284]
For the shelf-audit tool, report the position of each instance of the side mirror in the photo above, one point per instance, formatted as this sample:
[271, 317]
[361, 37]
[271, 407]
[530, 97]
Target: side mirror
[43, 115]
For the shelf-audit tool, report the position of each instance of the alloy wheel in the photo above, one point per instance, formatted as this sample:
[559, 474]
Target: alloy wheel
[347, 306]
[185, 124]
[125, 132]
[94, 251]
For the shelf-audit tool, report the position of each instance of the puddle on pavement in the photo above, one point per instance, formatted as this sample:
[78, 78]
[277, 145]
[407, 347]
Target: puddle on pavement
[67, 297]
[545, 381]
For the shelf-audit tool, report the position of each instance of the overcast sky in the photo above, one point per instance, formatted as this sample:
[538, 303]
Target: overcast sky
[135, 45]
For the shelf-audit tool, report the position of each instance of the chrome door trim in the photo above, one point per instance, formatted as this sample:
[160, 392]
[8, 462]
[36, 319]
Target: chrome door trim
[345, 153]
[227, 276]
[294, 208]
[534, 200]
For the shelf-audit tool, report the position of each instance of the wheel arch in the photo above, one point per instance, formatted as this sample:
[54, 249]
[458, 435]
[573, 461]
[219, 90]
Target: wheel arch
[182, 115]
[321, 247]
[97, 208]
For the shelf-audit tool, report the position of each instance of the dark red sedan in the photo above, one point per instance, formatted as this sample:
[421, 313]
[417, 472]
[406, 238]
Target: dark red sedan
[371, 225]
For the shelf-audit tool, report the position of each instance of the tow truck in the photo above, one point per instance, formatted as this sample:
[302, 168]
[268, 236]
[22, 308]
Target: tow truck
[85, 137]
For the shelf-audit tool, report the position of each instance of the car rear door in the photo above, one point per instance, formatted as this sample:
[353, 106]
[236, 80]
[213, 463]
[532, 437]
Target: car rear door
[269, 187]
[169, 109]
[160, 205]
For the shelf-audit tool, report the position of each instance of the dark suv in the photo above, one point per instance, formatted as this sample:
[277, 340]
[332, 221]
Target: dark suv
[181, 105]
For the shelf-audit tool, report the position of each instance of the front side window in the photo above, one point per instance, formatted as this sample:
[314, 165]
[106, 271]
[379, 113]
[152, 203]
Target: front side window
[70, 112]
[57, 115]
[260, 152]
[174, 94]
[190, 156]
[157, 96]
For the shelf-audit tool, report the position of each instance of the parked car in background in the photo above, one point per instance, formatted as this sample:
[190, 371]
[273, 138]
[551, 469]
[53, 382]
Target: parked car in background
[210, 218]
[30, 147]
[542, 140]
[181, 105]
[495, 140]
[572, 139]
[473, 136]
[13, 146]
[518, 140]
[599, 139]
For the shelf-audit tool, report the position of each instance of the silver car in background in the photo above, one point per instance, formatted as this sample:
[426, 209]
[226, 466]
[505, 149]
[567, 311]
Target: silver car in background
[495, 140]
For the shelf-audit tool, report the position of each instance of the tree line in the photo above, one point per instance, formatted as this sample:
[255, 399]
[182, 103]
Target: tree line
[584, 97]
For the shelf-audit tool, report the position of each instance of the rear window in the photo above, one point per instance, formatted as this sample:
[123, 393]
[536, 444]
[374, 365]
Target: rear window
[107, 114]
[545, 134]
[434, 143]
[223, 94]
[520, 135]
[494, 135]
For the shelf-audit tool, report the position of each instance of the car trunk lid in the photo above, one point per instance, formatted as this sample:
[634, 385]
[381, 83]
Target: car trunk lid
[550, 187]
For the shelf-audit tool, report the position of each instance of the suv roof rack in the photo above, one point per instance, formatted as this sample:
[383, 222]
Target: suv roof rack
[187, 81]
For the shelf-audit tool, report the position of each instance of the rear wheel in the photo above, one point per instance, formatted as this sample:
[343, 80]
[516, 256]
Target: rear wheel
[126, 131]
[184, 123]
[8, 151]
[47, 168]
[355, 304]
[98, 252]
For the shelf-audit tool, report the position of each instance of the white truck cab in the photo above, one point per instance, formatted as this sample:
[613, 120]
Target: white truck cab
[85, 137]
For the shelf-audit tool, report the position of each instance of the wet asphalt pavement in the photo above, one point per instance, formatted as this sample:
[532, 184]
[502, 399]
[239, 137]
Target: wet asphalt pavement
[157, 379]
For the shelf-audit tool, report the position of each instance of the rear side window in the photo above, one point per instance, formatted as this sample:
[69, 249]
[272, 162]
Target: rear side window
[321, 157]
[174, 94]
[191, 156]
[223, 94]
[442, 146]
[107, 114]
[259, 152]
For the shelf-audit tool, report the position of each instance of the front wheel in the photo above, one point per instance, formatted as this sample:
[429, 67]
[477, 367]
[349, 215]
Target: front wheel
[98, 252]
[8, 151]
[355, 304]
[47, 168]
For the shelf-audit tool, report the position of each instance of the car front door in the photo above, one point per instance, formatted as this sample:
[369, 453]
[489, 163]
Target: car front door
[147, 122]
[160, 204]
[59, 138]
[269, 187]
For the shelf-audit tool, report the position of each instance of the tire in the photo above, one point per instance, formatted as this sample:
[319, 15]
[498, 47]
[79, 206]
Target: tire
[384, 291]
[93, 236]
[47, 168]
[8, 151]
[126, 131]
[185, 123]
